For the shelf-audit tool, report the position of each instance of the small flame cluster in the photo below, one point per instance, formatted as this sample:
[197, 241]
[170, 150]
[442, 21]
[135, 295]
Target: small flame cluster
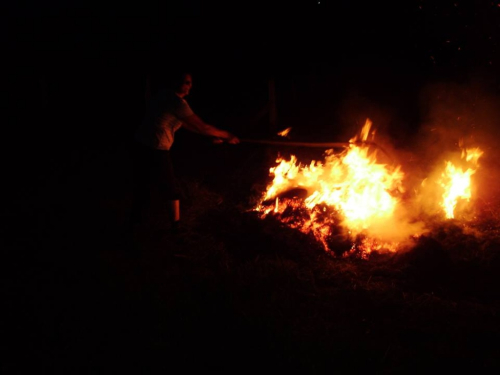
[352, 195]
[455, 181]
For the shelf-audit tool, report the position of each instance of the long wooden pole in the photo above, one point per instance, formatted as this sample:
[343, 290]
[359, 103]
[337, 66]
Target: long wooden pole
[296, 144]
[315, 144]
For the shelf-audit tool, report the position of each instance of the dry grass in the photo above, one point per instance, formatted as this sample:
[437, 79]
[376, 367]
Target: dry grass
[237, 293]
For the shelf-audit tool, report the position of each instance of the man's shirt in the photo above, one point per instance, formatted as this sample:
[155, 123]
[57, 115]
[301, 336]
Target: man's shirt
[164, 116]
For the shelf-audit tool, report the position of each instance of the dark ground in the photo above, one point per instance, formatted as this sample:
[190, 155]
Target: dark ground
[234, 293]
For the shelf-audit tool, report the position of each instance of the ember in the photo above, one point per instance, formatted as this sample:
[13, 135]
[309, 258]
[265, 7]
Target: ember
[365, 200]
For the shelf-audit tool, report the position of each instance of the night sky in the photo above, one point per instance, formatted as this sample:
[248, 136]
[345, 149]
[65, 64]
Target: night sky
[77, 71]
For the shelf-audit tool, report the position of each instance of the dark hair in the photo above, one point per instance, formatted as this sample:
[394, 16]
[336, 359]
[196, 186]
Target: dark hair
[168, 78]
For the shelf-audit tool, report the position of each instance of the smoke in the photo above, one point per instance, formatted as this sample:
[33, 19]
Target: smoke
[456, 116]
[355, 108]
[399, 228]
[452, 116]
[453, 113]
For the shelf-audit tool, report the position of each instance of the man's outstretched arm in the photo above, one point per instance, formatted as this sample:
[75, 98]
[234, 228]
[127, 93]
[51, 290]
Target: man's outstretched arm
[197, 125]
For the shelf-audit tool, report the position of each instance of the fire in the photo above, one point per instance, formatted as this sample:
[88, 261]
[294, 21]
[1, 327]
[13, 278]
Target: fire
[351, 194]
[356, 186]
[284, 133]
[456, 181]
[349, 189]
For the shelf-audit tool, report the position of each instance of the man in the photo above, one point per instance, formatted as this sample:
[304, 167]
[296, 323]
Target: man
[167, 112]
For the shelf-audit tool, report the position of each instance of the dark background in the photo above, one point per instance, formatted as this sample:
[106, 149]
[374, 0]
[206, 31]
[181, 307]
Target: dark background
[76, 74]
[90, 60]
[74, 81]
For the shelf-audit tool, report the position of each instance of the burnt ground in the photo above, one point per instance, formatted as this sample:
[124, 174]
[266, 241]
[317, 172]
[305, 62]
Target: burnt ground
[232, 293]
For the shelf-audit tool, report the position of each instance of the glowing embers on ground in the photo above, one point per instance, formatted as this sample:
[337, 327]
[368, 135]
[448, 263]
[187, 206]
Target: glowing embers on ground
[352, 196]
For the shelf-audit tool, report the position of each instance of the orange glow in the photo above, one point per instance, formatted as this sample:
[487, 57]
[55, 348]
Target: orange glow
[351, 195]
[456, 181]
[285, 132]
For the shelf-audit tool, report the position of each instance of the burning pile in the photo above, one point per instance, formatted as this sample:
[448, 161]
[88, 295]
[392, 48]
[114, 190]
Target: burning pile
[352, 197]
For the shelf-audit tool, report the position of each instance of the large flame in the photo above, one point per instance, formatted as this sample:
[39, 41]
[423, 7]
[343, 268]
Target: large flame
[353, 191]
[356, 185]
[349, 189]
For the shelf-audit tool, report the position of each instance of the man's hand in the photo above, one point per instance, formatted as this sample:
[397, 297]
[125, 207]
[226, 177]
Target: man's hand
[217, 141]
[232, 139]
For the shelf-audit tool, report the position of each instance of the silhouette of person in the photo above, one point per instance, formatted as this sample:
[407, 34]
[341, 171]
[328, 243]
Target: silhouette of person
[167, 111]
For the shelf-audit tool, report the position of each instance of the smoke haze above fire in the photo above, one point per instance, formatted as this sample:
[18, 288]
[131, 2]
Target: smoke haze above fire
[455, 142]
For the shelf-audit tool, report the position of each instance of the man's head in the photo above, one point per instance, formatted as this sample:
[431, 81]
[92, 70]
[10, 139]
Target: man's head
[183, 86]
[177, 80]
